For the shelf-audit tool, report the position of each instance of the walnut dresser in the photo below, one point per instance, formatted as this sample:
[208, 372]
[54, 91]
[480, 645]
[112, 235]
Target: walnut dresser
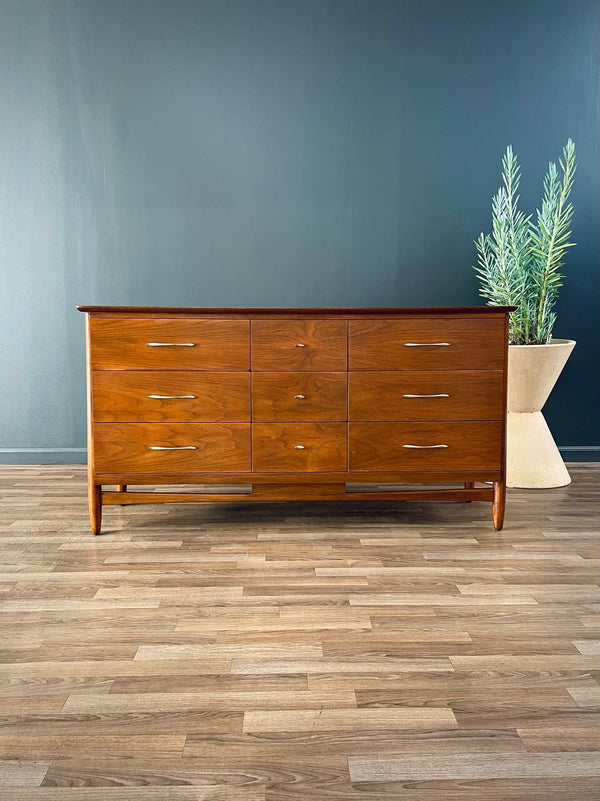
[296, 404]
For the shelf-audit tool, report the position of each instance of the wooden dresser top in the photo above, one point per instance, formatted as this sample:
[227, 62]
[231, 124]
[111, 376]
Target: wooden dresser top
[297, 312]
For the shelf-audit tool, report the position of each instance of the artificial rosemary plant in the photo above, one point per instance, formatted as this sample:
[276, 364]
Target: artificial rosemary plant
[520, 261]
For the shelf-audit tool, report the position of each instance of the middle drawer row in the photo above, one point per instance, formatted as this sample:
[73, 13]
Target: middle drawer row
[170, 396]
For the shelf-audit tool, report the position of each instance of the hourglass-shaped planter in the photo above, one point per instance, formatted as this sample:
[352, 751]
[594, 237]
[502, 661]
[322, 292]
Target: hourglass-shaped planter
[533, 460]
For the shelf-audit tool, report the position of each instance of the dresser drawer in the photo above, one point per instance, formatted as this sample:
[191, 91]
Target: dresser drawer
[420, 395]
[288, 345]
[169, 344]
[172, 448]
[157, 396]
[427, 343]
[425, 446]
[295, 397]
[298, 447]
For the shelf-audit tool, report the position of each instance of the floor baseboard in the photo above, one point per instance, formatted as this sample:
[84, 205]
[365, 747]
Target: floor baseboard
[43, 455]
[580, 453]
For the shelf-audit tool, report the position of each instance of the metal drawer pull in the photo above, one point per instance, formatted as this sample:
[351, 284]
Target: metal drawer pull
[426, 344]
[299, 447]
[424, 446]
[172, 448]
[168, 397]
[439, 395]
[300, 397]
[171, 344]
[299, 345]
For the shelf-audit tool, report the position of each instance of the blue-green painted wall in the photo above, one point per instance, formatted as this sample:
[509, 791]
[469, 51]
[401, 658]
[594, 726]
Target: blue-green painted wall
[274, 152]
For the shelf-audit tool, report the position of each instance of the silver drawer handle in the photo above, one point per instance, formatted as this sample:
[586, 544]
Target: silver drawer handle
[171, 344]
[300, 397]
[299, 447]
[172, 448]
[420, 447]
[439, 395]
[299, 345]
[170, 397]
[426, 344]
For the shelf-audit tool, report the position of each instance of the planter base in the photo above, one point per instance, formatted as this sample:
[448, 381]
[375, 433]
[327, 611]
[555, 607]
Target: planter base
[532, 458]
[535, 461]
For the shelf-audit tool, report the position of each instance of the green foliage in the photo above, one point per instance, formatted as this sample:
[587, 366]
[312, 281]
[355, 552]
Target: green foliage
[519, 263]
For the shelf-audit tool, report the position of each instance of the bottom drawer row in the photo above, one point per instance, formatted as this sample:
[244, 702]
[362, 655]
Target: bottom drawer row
[295, 447]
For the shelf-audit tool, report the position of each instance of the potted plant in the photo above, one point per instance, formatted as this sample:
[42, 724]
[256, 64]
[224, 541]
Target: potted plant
[520, 264]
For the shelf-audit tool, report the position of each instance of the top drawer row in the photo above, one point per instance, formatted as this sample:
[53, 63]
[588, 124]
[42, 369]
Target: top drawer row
[430, 343]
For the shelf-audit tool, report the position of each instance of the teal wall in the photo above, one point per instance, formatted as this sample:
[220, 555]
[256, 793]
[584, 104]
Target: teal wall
[274, 152]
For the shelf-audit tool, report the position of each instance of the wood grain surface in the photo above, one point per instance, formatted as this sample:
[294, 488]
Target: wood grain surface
[404, 446]
[282, 345]
[125, 396]
[118, 344]
[292, 312]
[292, 447]
[128, 446]
[461, 395]
[299, 651]
[410, 344]
[158, 405]
[299, 397]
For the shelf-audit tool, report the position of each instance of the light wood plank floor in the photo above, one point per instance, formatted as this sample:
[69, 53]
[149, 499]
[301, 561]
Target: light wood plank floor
[304, 651]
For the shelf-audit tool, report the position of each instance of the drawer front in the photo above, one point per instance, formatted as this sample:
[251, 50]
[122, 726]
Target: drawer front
[188, 447]
[412, 446]
[158, 396]
[298, 447]
[420, 395]
[295, 397]
[288, 345]
[429, 343]
[169, 344]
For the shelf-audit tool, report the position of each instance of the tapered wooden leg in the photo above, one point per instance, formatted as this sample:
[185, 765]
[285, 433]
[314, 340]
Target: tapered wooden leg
[95, 506]
[121, 487]
[499, 504]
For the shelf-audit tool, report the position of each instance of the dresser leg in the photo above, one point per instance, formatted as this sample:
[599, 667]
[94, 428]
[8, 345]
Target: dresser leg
[499, 504]
[95, 506]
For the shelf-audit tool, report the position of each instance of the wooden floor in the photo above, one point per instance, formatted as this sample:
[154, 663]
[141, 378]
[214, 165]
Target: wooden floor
[306, 651]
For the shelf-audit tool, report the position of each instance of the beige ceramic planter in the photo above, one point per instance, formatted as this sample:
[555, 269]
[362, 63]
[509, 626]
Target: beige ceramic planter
[532, 459]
